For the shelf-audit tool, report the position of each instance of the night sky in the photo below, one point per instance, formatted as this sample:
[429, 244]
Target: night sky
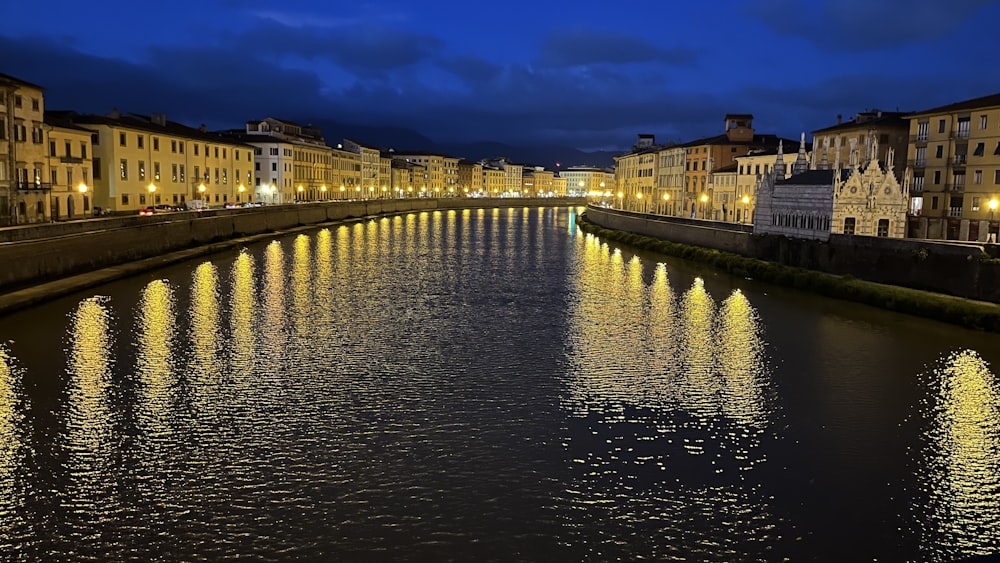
[585, 74]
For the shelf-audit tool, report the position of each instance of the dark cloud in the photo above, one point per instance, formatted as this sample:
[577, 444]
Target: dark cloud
[363, 49]
[863, 25]
[583, 46]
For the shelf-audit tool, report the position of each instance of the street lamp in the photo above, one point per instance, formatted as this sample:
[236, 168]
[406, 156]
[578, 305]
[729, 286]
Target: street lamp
[322, 189]
[704, 208]
[621, 201]
[746, 207]
[298, 196]
[666, 200]
[638, 204]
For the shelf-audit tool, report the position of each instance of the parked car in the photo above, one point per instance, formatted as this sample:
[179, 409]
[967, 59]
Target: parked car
[165, 208]
[147, 211]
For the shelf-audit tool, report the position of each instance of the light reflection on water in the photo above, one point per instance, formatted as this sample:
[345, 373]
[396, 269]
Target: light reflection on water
[960, 459]
[476, 385]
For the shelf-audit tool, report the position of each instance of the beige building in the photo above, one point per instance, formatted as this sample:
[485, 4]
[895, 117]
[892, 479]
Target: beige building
[596, 183]
[670, 171]
[750, 169]
[345, 173]
[884, 129]
[142, 161]
[635, 176]
[69, 169]
[722, 186]
[536, 181]
[25, 186]
[559, 186]
[442, 172]
[953, 170]
[470, 178]
[407, 177]
[374, 177]
[494, 181]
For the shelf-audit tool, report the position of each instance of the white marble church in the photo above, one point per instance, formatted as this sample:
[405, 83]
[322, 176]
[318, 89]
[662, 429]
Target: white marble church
[864, 199]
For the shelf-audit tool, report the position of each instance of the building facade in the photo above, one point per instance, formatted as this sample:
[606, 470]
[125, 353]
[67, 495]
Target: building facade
[25, 185]
[884, 129]
[70, 165]
[470, 178]
[589, 181]
[953, 170]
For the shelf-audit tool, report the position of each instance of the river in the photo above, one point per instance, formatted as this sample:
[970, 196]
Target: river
[489, 385]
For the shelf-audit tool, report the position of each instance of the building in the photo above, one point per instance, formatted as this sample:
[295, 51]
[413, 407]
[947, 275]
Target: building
[145, 160]
[588, 181]
[494, 181]
[559, 186]
[890, 129]
[863, 199]
[953, 170]
[406, 175]
[470, 178]
[373, 176]
[24, 175]
[70, 164]
[513, 175]
[670, 168]
[705, 155]
[442, 172]
[750, 170]
[635, 175]
[722, 186]
[537, 181]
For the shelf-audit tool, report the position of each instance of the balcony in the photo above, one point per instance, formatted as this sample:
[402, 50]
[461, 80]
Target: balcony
[32, 186]
[959, 159]
[918, 138]
[954, 187]
[954, 212]
[962, 133]
[919, 163]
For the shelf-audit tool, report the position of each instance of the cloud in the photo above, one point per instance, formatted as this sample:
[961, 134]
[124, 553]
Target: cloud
[582, 46]
[863, 25]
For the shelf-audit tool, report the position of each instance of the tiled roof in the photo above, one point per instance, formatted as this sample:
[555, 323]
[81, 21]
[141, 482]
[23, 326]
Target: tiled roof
[144, 123]
[991, 100]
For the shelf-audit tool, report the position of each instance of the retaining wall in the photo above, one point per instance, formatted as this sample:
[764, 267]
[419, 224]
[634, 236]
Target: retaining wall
[39, 253]
[964, 270]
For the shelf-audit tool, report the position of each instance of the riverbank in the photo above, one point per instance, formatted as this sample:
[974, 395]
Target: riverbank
[978, 315]
[46, 267]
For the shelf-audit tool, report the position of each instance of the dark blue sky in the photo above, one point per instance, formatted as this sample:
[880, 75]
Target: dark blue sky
[586, 74]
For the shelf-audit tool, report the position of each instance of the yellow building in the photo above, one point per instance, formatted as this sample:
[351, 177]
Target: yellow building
[559, 186]
[142, 161]
[669, 192]
[24, 175]
[345, 173]
[408, 178]
[470, 178]
[635, 176]
[442, 172]
[536, 181]
[494, 181]
[722, 186]
[373, 177]
[750, 169]
[869, 129]
[69, 169]
[597, 183]
[953, 170]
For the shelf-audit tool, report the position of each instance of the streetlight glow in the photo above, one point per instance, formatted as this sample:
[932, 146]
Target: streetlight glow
[82, 188]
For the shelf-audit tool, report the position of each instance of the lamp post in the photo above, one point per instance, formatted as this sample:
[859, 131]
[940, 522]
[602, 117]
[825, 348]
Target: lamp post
[298, 196]
[241, 189]
[666, 202]
[746, 207]
[322, 190]
[991, 237]
[638, 202]
[82, 188]
[704, 207]
[152, 190]
[621, 201]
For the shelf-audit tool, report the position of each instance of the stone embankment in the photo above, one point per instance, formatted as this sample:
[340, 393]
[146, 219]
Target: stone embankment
[44, 261]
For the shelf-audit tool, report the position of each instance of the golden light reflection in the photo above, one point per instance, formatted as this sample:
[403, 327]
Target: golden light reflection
[11, 440]
[89, 417]
[697, 351]
[155, 395]
[272, 330]
[324, 271]
[243, 305]
[302, 284]
[741, 363]
[963, 477]
[204, 368]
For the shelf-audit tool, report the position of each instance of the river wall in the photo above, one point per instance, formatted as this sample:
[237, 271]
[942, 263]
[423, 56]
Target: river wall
[967, 270]
[38, 253]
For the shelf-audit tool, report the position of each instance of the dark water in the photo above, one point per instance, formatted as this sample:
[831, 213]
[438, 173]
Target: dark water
[488, 386]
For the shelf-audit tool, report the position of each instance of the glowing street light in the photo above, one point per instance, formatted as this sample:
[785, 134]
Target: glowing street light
[704, 208]
[746, 207]
[82, 188]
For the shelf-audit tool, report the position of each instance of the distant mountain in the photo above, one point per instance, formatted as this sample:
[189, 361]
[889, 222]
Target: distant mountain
[403, 139]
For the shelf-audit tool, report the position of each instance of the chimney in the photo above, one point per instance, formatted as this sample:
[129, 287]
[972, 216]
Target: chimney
[159, 119]
[839, 118]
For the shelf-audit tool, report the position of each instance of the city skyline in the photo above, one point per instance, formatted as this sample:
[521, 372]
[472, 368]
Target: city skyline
[579, 75]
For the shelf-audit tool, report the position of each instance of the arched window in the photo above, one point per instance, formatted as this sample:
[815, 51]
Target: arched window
[849, 225]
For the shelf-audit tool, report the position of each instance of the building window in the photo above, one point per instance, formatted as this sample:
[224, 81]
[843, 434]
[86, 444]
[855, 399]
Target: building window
[156, 171]
[216, 152]
[996, 151]
[69, 149]
[52, 148]
[54, 176]
[196, 149]
[274, 167]
[142, 199]
[123, 169]
[225, 176]
[97, 168]
[121, 139]
[216, 175]
[883, 228]
[940, 126]
[939, 152]
[139, 141]
[978, 176]
[849, 225]
[918, 182]
[982, 122]
[173, 146]
[196, 175]
[156, 143]
[996, 177]
[934, 202]
[182, 173]
[17, 100]
[963, 127]
[34, 104]
[142, 169]
[173, 172]
[937, 177]
[124, 199]
[69, 177]
[922, 131]
[95, 139]
[223, 152]
[980, 149]
[975, 204]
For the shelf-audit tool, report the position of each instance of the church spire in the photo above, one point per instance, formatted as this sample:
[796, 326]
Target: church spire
[801, 163]
[779, 164]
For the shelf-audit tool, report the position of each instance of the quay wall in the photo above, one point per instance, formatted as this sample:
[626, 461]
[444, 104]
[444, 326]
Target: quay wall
[40, 253]
[969, 270]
